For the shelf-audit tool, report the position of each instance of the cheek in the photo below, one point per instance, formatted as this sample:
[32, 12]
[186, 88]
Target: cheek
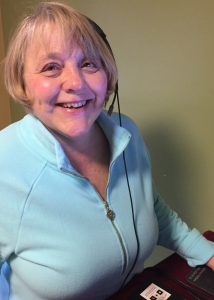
[104, 83]
[99, 84]
[40, 91]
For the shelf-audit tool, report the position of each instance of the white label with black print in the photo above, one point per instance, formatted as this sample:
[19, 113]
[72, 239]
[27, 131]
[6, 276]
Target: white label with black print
[154, 292]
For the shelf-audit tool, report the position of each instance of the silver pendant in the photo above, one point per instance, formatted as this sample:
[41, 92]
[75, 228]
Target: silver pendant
[110, 214]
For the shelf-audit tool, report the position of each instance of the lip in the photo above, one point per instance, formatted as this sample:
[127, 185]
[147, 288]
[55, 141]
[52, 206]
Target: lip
[73, 110]
[73, 102]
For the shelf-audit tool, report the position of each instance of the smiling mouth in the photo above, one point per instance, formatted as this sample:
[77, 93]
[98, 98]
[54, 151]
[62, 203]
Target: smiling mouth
[73, 105]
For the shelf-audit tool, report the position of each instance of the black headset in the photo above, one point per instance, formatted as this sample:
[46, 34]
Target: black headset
[103, 36]
[110, 110]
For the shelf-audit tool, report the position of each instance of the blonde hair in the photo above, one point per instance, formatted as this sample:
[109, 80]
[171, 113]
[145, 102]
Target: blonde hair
[71, 23]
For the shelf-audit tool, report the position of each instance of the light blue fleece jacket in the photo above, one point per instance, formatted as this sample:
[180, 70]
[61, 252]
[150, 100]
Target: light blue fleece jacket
[54, 232]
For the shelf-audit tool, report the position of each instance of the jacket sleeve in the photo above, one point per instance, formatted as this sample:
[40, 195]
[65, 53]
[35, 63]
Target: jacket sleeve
[174, 234]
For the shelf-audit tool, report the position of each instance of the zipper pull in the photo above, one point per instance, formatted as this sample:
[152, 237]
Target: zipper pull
[110, 214]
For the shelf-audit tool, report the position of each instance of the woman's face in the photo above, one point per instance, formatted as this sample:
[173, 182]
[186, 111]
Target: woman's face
[66, 88]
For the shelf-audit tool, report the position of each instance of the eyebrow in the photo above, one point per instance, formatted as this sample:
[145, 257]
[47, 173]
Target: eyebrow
[57, 55]
[52, 55]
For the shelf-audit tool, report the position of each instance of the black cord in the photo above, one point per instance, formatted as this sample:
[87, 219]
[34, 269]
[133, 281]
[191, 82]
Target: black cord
[195, 292]
[127, 179]
[193, 295]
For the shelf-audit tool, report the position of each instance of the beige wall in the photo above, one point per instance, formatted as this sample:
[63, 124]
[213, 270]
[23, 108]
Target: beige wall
[164, 51]
[5, 118]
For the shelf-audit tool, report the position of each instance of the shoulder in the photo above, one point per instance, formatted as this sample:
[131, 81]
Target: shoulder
[11, 146]
[126, 122]
[131, 126]
[8, 134]
[137, 144]
[19, 167]
[10, 140]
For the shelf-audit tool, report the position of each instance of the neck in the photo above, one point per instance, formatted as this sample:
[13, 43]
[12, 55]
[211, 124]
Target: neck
[82, 145]
[91, 149]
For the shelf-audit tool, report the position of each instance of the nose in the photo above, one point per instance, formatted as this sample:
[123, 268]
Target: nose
[73, 80]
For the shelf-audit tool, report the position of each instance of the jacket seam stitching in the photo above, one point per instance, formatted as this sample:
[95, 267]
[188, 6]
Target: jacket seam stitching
[26, 200]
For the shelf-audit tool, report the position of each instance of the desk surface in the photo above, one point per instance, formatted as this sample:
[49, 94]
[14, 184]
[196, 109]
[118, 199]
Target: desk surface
[174, 264]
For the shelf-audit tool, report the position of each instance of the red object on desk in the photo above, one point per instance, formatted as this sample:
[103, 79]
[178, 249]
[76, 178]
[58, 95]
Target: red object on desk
[174, 265]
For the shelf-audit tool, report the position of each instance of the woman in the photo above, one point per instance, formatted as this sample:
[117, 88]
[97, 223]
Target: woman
[67, 229]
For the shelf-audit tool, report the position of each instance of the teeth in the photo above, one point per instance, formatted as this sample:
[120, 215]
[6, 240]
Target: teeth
[75, 105]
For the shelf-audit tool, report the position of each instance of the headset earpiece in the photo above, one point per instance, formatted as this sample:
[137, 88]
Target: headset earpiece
[103, 36]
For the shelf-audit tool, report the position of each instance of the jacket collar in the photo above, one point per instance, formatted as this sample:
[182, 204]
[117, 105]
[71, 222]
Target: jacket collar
[44, 144]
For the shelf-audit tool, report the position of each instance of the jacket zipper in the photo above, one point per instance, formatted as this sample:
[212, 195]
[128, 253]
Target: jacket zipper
[110, 215]
[112, 219]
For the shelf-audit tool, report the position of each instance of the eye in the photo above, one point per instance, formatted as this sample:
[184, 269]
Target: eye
[51, 69]
[89, 64]
[90, 67]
